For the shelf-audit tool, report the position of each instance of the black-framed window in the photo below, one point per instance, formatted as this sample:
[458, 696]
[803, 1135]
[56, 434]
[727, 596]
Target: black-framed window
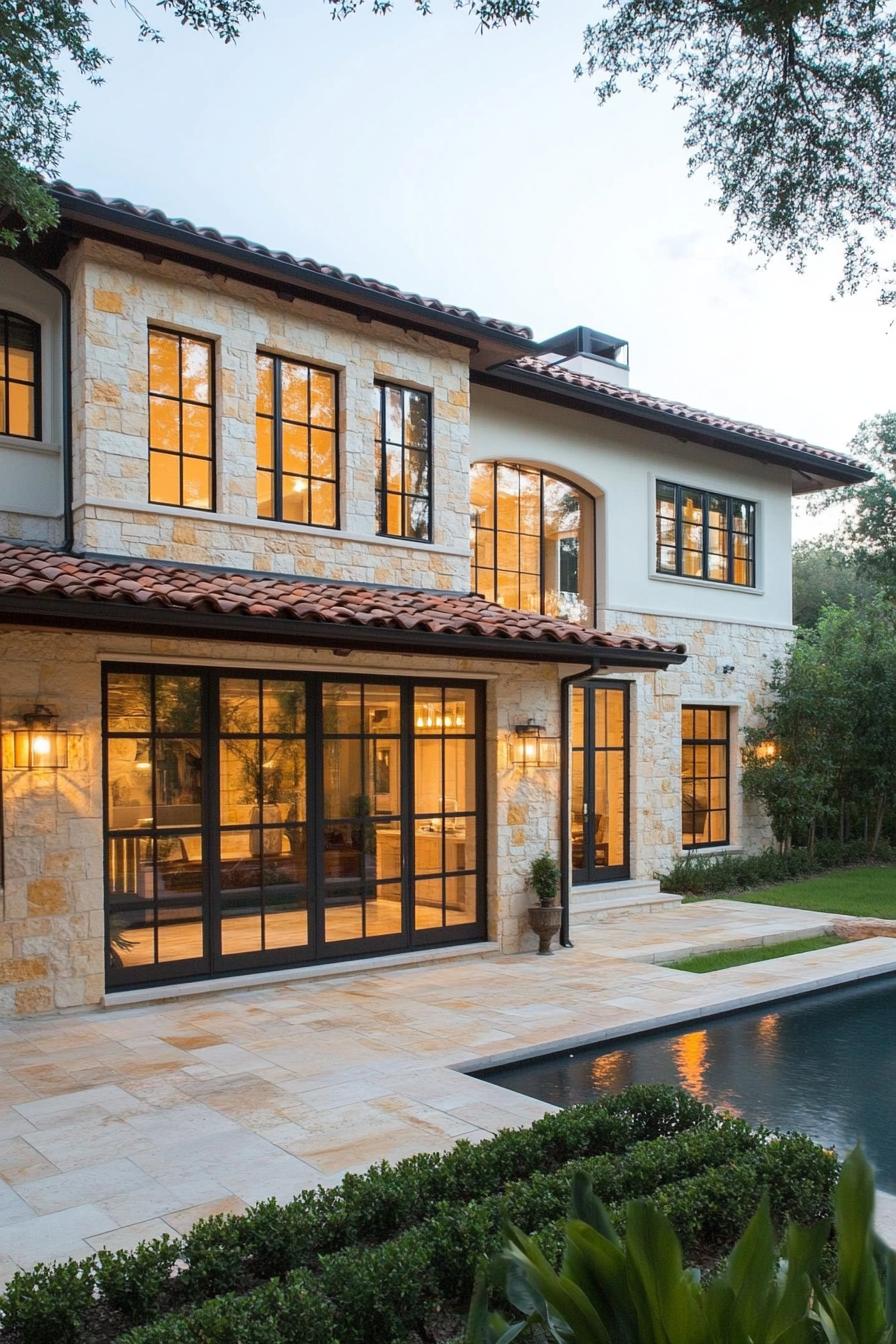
[181, 420]
[701, 534]
[599, 781]
[705, 764]
[296, 441]
[19, 376]
[258, 818]
[532, 540]
[403, 462]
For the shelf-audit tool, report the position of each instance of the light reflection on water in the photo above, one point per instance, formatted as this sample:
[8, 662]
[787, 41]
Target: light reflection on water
[825, 1065]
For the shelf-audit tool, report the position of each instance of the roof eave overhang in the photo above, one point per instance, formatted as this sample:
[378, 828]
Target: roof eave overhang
[810, 472]
[67, 614]
[488, 345]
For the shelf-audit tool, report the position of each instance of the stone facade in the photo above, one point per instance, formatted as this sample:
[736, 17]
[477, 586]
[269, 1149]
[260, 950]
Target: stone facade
[655, 727]
[116, 297]
[51, 911]
[51, 915]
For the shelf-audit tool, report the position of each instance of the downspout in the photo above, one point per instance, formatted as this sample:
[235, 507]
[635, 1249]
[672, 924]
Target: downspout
[565, 684]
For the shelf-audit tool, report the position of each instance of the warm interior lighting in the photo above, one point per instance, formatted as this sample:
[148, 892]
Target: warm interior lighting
[40, 745]
[430, 716]
[531, 748]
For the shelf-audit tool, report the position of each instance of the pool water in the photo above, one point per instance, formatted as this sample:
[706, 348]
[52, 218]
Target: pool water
[824, 1064]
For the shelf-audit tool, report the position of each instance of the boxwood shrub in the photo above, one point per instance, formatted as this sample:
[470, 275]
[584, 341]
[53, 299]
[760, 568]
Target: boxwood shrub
[388, 1252]
[705, 875]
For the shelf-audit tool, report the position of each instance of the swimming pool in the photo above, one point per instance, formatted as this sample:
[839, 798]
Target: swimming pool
[824, 1064]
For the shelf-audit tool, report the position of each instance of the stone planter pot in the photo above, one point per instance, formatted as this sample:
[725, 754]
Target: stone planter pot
[545, 921]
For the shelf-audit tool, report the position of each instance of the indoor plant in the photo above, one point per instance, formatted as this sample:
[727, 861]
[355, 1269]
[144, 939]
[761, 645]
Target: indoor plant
[545, 917]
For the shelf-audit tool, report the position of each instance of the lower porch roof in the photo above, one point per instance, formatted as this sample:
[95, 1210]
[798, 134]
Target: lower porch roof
[46, 587]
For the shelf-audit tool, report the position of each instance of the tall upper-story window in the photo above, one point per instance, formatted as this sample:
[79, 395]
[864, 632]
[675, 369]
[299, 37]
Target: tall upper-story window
[181, 420]
[296, 444]
[19, 376]
[533, 540]
[403, 463]
[703, 535]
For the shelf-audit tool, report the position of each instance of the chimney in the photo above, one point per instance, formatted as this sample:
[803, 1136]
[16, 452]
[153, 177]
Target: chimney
[584, 350]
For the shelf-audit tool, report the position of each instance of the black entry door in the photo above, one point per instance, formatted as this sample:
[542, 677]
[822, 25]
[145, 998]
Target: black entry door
[263, 819]
[599, 788]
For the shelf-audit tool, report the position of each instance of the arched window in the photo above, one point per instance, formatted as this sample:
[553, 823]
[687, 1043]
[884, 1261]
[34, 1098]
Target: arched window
[19, 376]
[533, 540]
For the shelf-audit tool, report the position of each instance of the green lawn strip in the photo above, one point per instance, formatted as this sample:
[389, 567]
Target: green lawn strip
[867, 891]
[701, 962]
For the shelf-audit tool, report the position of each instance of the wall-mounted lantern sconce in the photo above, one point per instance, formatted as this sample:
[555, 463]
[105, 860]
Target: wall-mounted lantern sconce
[41, 745]
[531, 748]
[767, 751]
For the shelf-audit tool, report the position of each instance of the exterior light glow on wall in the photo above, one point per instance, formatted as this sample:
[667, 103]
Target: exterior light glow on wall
[531, 748]
[767, 751]
[41, 745]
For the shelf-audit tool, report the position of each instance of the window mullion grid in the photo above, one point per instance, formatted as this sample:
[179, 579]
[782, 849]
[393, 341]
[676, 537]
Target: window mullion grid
[442, 844]
[153, 756]
[384, 454]
[542, 541]
[403, 529]
[704, 533]
[5, 321]
[180, 418]
[277, 438]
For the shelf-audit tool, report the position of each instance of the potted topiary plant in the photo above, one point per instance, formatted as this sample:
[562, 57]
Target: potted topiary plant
[545, 917]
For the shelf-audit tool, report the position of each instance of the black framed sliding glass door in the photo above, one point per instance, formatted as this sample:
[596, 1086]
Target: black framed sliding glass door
[599, 781]
[263, 819]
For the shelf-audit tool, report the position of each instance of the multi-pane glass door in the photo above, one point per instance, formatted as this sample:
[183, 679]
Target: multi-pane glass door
[599, 798]
[264, 819]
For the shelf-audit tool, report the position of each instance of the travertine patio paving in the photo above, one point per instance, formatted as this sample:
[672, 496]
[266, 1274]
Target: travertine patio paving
[121, 1124]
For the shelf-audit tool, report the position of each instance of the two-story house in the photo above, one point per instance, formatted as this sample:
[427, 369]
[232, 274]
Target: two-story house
[325, 608]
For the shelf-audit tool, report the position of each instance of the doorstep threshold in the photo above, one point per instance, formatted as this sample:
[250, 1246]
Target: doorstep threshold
[283, 975]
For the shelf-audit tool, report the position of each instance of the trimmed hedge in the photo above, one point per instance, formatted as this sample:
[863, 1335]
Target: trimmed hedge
[389, 1256]
[419, 1283]
[95, 1298]
[703, 875]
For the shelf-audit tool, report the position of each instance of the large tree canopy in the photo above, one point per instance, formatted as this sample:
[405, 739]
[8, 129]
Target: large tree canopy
[790, 106]
[35, 116]
[867, 512]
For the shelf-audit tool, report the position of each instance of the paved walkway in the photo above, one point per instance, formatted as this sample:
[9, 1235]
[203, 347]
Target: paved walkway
[124, 1123]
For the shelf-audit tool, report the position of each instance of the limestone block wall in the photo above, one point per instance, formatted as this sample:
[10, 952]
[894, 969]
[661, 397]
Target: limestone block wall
[656, 703]
[51, 906]
[116, 296]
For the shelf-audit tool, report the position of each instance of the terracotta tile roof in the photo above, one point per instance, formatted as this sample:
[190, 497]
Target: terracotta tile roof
[556, 373]
[64, 190]
[34, 572]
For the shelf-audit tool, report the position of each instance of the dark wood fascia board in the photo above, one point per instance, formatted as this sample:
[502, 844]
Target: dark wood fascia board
[91, 219]
[65, 614]
[526, 384]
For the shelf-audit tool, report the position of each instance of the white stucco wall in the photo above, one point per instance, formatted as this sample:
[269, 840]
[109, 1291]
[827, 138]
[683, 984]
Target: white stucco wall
[31, 469]
[619, 465]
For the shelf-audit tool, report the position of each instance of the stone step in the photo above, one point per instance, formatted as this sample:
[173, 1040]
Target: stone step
[612, 891]
[594, 911]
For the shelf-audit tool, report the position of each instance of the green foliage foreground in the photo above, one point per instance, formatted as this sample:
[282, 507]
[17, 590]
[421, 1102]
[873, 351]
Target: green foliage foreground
[388, 1257]
[638, 1292]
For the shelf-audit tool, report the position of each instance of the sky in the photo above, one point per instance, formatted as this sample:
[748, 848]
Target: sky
[476, 168]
